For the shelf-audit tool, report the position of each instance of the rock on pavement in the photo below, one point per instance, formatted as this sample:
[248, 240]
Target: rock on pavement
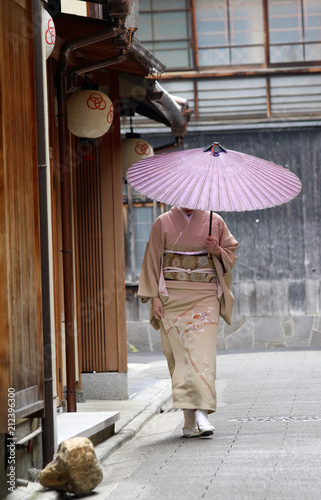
[74, 468]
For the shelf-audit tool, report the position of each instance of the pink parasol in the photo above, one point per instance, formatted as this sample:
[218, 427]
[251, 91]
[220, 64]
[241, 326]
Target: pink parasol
[214, 179]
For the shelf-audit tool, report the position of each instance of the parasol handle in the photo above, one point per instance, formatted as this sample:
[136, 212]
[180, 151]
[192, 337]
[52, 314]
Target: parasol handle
[210, 230]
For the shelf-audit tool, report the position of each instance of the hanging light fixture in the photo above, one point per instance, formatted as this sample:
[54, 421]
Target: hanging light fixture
[134, 148]
[90, 113]
[49, 32]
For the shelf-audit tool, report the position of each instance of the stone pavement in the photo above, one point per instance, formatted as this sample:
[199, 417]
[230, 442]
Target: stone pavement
[267, 443]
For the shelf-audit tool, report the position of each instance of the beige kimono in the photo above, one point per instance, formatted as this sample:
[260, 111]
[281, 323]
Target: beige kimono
[192, 296]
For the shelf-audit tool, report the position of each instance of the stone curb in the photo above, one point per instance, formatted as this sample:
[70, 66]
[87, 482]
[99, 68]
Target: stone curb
[105, 449]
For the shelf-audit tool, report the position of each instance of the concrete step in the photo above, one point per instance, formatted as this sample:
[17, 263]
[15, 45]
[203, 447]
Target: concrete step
[96, 426]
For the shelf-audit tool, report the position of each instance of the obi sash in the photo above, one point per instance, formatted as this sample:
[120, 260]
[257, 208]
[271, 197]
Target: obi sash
[189, 266]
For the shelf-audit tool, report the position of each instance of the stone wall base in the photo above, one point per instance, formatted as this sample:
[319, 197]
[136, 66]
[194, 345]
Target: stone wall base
[109, 386]
[243, 333]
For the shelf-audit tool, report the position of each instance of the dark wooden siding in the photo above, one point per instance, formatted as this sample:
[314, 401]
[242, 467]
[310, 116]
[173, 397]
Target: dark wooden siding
[100, 260]
[90, 262]
[21, 336]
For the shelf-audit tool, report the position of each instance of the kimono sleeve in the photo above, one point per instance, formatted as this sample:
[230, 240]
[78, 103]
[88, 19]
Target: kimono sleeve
[152, 264]
[228, 246]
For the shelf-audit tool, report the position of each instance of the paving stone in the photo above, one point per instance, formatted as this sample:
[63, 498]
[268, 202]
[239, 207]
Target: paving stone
[315, 340]
[241, 339]
[253, 460]
[235, 325]
[302, 326]
[318, 321]
[287, 327]
[297, 342]
[268, 330]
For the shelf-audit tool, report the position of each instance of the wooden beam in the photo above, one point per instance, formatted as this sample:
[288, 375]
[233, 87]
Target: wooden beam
[266, 33]
[251, 72]
[196, 106]
[268, 98]
[113, 240]
[194, 34]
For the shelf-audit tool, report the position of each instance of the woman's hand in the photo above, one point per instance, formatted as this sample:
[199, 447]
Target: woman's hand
[211, 245]
[157, 307]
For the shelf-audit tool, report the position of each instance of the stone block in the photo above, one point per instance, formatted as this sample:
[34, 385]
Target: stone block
[235, 325]
[312, 288]
[264, 298]
[259, 345]
[297, 297]
[241, 338]
[108, 385]
[315, 340]
[268, 330]
[247, 298]
[287, 327]
[280, 302]
[296, 342]
[302, 326]
[92, 425]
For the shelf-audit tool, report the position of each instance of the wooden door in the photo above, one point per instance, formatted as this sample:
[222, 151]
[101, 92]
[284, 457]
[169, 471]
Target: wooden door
[20, 266]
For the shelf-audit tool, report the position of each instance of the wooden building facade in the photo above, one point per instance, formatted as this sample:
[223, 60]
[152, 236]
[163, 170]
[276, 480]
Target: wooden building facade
[86, 320]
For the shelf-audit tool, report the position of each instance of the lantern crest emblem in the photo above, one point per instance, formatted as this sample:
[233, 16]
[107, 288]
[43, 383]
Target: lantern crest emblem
[96, 101]
[142, 148]
[49, 33]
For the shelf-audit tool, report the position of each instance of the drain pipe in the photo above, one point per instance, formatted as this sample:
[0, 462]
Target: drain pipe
[65, 169]
[48, 438]
[176, 109]
[66, 212]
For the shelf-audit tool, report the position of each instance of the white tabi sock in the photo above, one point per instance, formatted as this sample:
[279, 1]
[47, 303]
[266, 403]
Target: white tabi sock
[190, 419]
[201, 418]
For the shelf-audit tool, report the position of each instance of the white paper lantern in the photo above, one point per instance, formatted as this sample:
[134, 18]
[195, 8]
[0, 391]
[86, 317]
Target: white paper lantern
[50, 33]
[90, 113]
[134, 149]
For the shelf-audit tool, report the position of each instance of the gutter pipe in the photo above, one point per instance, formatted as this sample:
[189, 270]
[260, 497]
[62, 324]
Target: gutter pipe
[175, 109]
[43, 175]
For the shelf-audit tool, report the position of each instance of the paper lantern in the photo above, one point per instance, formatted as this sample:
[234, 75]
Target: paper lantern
[49, 32]
[134, 149]
[90, 113]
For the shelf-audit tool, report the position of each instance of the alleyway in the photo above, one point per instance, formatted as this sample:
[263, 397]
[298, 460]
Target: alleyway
[266, 446]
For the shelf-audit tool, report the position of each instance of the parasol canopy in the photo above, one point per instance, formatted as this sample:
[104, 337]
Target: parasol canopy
[215, 179]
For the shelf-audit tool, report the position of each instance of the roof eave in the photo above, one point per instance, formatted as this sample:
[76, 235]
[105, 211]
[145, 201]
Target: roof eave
[146, 58]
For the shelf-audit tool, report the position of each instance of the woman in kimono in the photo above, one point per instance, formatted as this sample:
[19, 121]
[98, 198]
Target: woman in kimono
[187, 276]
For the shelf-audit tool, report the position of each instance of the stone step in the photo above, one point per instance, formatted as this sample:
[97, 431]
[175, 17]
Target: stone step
[97, 426]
